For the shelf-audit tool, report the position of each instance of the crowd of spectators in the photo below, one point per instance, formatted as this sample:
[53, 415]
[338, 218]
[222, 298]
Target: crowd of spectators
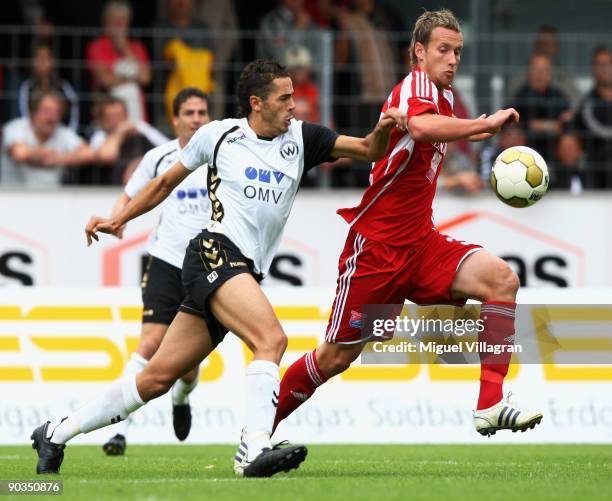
[573, 132]
[94, 131]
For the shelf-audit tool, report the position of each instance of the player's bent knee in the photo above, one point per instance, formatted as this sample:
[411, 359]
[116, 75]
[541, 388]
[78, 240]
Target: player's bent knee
[155, 385]
[150, 339]
[191, 375]
[273, 344]
[505, 283]
[147, 347]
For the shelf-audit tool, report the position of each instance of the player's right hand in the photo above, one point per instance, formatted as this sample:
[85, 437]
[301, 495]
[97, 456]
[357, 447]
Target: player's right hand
[501, 118]
[119, 232]
[100, 224]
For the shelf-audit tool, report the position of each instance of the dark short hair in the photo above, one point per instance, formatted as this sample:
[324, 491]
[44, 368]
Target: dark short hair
[37, 97]
[105, 100]
[255, 80]
[184, 95]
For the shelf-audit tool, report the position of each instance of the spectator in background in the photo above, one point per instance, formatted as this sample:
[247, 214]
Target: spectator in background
[118, 64]
[287, 25]
[547, 42]
[593, 121]
[568, 171]
[37, 149]
[121, 142]
[305, 93]
[365, 68]
[389, 26]
[507, 137]
[222, 15]
[458, 174]
[323, 12]
[368, 55]
[542, 106]
[44, 77]
[189, 46]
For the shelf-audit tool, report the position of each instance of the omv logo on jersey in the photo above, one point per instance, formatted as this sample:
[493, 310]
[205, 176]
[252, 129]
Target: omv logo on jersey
[192, 201]
[268, 181]
[263, 175]
[192, 193]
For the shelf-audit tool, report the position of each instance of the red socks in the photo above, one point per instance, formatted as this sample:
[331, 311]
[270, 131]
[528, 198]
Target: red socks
[304, 377]
[498, 319]
[298, 384]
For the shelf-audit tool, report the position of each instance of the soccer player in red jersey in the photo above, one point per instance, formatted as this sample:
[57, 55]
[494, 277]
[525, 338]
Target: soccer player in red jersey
[393, 251]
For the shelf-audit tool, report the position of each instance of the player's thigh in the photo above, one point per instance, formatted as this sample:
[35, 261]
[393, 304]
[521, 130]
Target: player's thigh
[484, 276]
[369, 273]
[241, 306]
[436, 264]
[151, 335]
[186, 343]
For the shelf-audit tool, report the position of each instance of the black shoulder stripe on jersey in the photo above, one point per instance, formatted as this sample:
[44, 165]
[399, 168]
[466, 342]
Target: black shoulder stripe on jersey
[160, 161]
[213, 180]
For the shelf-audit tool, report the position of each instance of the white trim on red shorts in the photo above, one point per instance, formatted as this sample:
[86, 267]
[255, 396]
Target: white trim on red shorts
[343, 289]
[467, 254]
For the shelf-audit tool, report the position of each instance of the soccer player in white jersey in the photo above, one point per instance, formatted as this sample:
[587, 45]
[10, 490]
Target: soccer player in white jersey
[184, 213]
[254, 168]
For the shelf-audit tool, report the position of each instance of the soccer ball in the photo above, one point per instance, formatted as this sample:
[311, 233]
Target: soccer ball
[519, 176]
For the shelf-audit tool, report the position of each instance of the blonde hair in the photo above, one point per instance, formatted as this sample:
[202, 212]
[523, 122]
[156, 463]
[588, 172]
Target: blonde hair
[426, 23]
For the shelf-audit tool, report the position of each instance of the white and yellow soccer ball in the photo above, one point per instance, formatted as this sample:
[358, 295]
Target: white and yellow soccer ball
[519, 176]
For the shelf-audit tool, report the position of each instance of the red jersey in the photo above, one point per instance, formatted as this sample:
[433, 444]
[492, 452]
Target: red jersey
[397, 206]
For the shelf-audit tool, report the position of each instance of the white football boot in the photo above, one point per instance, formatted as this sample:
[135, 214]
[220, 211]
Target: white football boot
[240, 459]
[505, 415]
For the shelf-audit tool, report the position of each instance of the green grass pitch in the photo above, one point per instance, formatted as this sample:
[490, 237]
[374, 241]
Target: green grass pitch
[353, 472]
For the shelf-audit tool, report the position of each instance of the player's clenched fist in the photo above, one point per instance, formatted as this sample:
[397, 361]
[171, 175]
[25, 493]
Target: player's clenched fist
[501, 118]
[100, 224]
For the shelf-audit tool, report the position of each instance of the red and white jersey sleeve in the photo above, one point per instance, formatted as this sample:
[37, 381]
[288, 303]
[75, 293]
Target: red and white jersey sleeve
[397, 206]
[423, 96]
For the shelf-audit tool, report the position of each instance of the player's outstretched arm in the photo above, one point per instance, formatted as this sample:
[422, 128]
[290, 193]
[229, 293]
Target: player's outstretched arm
[374, 146]
[120, 204]
[154, 193]
[483, 136]
[430, 127]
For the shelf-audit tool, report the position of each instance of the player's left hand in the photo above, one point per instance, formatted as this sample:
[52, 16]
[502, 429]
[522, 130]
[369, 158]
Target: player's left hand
[100, 224]
[394, 117]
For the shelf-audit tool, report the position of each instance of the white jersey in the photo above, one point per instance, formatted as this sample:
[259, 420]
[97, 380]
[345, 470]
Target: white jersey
[185, 212]
[19, 130]
[252, 181]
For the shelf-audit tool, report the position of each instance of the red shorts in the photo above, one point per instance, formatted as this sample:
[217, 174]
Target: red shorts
[372, 272]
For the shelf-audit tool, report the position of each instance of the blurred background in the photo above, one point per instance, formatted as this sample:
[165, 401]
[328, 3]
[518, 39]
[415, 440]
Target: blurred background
[70, 315]
[109, 70]
[548, 59]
